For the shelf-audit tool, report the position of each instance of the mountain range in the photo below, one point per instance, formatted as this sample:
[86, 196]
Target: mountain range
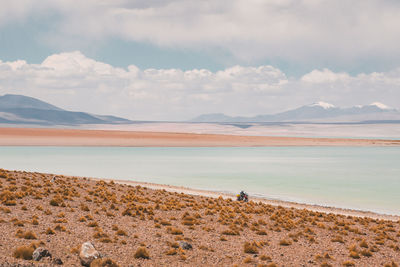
[19, 109]
[316, 112]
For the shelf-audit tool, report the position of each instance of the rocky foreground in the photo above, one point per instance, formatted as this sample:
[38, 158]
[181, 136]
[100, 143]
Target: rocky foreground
[48, 220]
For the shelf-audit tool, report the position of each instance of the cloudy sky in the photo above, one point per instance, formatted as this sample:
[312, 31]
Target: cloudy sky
[176, 59]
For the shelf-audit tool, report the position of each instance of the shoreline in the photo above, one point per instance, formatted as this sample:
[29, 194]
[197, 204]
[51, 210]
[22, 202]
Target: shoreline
[75, 137]
[273, 202]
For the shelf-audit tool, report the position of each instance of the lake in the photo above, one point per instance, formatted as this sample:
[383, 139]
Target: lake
[364, 178]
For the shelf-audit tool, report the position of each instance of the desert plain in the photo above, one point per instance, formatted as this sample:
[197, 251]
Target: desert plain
[139, 226]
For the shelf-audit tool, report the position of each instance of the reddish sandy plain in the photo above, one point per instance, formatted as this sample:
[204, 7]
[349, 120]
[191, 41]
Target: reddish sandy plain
[138, 226]
[69, 137]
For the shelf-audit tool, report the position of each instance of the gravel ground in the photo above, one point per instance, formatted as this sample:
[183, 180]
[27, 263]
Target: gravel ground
[119, 219]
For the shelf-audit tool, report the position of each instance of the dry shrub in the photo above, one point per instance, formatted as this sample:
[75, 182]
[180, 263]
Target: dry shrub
[265, 258]
[174, 231]
[354, 255]
[338, 239]
[7, 198]
[164, 222]
[104, 262]
[250, 248]
[261, 232]
[141, 253]
[248, 260]
[93, 224]
[174, 245]
[60, 228]
[285, 242]
[56, 202]
[84, 207]
[50, 231]
[75, 250]
[24, 252]
[366, 253]
[230, 232]
[30, 235]
[348, 263]
[121, 232]
[364, 244]
[18, 223]
[392, 264]
[172, 251]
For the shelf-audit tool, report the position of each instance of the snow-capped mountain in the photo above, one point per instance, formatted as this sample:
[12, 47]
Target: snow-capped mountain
[316, 112]
[322, 104]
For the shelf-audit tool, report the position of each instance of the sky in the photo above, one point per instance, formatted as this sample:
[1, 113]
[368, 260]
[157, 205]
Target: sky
[176, 59]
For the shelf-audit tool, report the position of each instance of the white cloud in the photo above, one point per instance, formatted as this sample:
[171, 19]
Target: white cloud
[75, 82]
[292, 30]
[325, 76]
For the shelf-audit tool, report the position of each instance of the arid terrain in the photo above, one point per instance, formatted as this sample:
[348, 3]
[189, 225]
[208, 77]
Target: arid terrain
[73, 137]
[137, 226]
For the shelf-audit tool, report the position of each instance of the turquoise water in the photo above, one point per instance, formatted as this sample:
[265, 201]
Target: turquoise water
[365, 178]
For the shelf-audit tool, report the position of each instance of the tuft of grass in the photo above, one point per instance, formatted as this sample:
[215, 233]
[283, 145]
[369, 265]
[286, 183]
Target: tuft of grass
[392, 264]
[354, 255]
[104, 262]
[366, 253]
[105, 240]
[248, 260]
[50, 231]
[60, 228]
[348, 263]
[55, 202]
[141, 253]
[174, 231]
[24, 252]
[230, 232]
[121, 232]
[30, 235]
[285, 242]
[265, 258]
[363, 244]
[250, 248]
[93, 224]
[338, 239]
[171, 252]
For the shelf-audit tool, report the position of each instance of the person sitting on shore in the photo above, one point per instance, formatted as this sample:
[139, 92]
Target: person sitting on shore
[243, 196]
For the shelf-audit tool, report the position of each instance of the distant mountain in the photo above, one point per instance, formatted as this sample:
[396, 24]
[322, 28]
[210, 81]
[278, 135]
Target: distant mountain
[316, 112]
[19, 109]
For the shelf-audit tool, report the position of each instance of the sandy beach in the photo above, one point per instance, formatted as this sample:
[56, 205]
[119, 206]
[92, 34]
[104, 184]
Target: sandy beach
[139, 226]
[72, 137]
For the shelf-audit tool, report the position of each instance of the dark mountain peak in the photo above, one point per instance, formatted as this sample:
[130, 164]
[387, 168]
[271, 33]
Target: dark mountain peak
[10, 101]
[22, 109]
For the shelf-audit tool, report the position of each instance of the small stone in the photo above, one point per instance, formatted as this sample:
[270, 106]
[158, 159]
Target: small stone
[185, 245]
[40, 253]
[58, 261]
[88, 253]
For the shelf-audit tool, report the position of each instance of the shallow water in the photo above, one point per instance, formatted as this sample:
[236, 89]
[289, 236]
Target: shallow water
[365, 178]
